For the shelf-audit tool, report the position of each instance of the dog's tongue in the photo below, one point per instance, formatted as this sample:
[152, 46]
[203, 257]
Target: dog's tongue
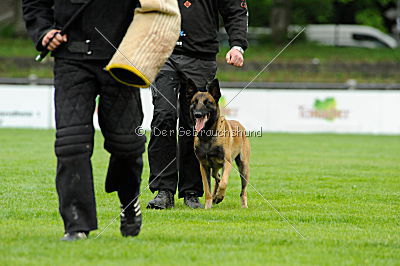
[200, 122]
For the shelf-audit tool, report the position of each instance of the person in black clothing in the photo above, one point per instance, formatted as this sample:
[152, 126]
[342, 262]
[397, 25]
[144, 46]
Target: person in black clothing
[80, 56]
[194, 57]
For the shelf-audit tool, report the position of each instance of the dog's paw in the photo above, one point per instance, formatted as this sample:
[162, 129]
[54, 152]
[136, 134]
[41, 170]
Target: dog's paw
[208, 204]
[244, 201]
[219, 196]
[217, 199]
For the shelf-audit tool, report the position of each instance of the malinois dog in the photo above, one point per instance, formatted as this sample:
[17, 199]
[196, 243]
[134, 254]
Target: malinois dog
[217, 143]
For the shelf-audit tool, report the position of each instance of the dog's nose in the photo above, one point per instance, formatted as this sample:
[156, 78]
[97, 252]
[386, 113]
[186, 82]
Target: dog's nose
[198, 115]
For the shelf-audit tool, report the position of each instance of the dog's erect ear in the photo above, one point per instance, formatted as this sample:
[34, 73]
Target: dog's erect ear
[191, 90]
[214, 90]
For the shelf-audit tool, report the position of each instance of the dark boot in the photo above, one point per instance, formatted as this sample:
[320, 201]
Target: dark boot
[131, 220]
[192, 201]
[163, 200]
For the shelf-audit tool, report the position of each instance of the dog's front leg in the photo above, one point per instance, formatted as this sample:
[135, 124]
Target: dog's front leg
[226, 170]
[217, 179]
[205, 176]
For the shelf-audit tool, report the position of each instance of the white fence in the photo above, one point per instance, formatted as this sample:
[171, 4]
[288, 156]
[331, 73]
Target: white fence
[336, 111]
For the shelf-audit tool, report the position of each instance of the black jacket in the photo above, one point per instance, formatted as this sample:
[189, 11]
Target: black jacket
[110, 17]
[200, 22]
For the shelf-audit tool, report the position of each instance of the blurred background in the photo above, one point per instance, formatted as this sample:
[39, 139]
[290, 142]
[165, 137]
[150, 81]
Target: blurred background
[350, 48]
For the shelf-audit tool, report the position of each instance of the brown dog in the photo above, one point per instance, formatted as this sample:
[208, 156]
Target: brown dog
[217, 143]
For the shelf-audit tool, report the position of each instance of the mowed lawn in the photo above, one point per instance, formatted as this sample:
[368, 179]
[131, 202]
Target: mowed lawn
[342, 192]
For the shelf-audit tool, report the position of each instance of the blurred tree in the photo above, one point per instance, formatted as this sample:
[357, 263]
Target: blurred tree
[11, 23]
[259, 12]
[280, 19]
[302, 12]
[312, 11]
[371, 13]
[276, 14]
[19, 26]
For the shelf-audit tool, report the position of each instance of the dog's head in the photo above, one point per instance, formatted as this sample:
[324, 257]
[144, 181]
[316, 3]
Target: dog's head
[203, 106]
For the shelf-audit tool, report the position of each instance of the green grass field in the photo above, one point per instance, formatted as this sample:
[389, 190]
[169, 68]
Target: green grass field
[342, 192]
[300, 52]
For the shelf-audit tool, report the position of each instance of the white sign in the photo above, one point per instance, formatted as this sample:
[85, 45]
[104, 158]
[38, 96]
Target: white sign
[376, 112]
[306, 111]
[26, 106]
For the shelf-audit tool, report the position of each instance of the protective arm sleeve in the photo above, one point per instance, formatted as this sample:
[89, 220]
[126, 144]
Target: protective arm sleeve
[147, 44]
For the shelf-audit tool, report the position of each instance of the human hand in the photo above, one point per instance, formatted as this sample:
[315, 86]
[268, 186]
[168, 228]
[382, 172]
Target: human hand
[235, 57]
[55, 39]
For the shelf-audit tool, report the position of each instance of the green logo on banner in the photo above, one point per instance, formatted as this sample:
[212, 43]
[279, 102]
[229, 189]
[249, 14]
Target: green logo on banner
[324, 109]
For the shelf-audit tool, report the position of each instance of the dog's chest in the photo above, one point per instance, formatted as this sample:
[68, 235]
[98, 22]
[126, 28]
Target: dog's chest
[210, 154]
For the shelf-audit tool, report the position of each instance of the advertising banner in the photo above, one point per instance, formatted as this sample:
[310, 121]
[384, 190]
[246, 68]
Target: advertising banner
[304, 111]
[26, 106]
[309, 111]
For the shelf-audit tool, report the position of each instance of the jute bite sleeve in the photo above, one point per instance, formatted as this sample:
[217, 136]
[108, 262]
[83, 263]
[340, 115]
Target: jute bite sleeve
[149, 41]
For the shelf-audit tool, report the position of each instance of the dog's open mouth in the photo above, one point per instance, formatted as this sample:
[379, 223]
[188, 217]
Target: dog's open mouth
[200, 122]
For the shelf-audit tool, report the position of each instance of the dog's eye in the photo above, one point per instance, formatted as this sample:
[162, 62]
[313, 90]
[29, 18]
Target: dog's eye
[205, 102]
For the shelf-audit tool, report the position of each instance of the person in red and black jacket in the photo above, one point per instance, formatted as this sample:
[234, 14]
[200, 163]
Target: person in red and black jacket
[194, 57]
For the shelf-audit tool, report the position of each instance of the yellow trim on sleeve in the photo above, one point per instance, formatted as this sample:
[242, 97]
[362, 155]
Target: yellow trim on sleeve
[130, 69]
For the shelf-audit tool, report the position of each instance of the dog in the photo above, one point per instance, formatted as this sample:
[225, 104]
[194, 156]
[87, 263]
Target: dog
[217, 143]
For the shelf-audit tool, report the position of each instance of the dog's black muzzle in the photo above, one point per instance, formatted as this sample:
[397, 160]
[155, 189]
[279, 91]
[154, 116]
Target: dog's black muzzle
[198, 114]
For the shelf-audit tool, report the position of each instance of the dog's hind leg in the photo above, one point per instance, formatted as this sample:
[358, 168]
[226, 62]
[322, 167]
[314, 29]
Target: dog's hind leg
[205, 175]
[243, 161]
[244, 177]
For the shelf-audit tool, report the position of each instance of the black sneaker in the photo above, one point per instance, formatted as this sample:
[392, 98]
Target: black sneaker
[192, 201]
[163, 200]
[131, 220]
[73, 236]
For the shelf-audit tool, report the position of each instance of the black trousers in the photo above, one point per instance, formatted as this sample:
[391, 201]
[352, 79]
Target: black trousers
[170, 102]
[77, 84]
